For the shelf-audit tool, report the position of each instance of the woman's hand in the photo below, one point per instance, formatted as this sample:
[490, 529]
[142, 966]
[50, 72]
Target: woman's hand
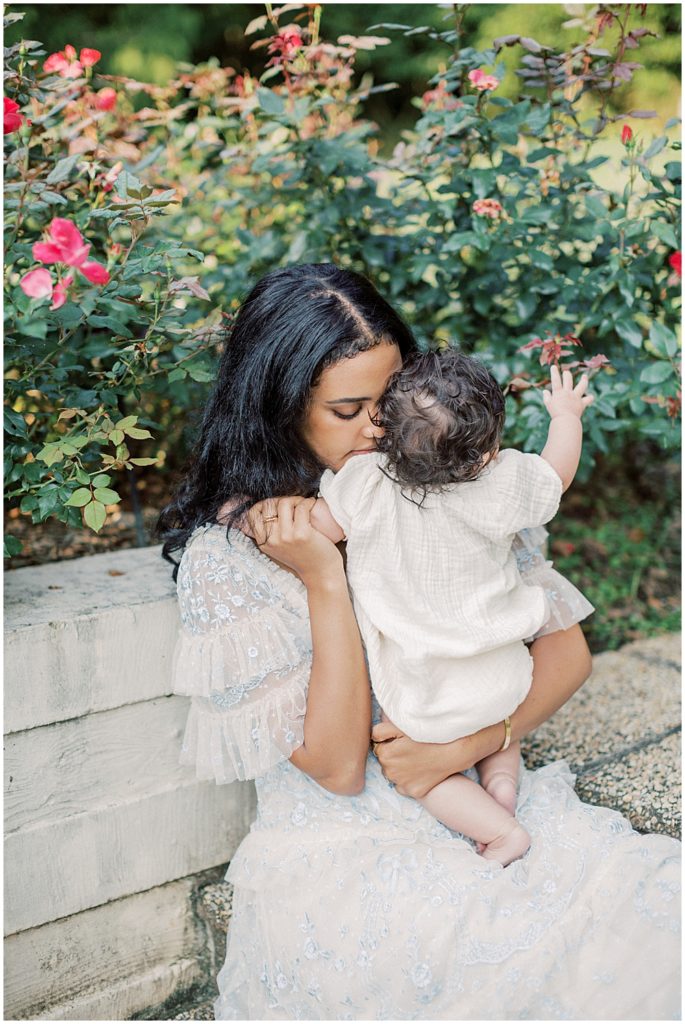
[414, 767]
[281, 529]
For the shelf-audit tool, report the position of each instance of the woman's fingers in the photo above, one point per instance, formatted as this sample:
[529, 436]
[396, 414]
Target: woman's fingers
[278, 518]
[385, 731]
[301, 512]
[261, 519]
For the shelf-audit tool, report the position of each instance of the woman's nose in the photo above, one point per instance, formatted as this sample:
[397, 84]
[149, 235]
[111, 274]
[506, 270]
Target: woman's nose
[372, 428]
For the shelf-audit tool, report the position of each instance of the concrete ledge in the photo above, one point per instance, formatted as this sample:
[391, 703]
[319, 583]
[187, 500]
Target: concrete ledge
[108, 839]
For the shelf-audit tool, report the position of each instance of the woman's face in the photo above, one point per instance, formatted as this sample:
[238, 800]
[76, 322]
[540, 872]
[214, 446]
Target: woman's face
[338, 421]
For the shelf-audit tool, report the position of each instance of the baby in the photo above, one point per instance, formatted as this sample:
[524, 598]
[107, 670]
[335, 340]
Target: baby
[430, 522]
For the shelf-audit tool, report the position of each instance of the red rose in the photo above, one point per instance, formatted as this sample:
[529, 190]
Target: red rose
[12, 119]
[675, 262]
[626, 134]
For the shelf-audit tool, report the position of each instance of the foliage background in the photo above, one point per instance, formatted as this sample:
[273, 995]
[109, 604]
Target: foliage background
[265, 181]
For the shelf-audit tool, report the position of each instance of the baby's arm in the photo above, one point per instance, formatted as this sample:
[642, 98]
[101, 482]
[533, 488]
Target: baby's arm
[322, 520]
[565, 404]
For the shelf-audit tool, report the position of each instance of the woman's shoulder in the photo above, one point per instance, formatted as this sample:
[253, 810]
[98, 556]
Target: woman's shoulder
[229, 559]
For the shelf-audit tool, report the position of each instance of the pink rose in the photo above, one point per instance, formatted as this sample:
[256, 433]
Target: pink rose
[59, 294]
[105, 99]
[37, 284]
[488, 208]
[89, 57]
[482, 82]
[66, 244]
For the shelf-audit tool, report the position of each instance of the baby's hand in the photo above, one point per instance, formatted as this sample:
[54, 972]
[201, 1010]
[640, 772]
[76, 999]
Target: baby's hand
[564, 399]
[321, 518]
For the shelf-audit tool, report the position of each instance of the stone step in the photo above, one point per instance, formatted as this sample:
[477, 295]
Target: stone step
[199, 1011]
[621, 734]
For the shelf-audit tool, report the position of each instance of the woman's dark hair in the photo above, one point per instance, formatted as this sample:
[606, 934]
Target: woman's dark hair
[294, 323]
[442, 413]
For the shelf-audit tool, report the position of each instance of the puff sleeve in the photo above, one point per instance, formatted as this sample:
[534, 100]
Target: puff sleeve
[349, 492]
[516, 492]
[243, 655]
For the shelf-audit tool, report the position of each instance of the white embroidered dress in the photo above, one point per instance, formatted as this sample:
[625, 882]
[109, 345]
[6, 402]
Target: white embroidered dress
[366, 907]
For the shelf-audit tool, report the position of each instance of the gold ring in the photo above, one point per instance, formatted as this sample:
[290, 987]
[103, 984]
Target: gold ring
[269, 519]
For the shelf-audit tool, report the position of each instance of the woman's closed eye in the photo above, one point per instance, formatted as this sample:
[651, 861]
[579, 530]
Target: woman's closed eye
[346, 416]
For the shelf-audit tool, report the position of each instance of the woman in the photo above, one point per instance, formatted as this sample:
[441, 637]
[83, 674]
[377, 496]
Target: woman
[351, 901]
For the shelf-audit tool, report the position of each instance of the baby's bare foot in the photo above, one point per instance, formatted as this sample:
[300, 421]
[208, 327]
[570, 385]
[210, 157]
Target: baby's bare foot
[509, 846]
[502, 788]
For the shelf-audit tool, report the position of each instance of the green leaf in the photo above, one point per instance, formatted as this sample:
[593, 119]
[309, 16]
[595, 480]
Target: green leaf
[137, 432]
[178, 374]
[101, 480]
[538, 118]
[663, 339]
[106, 495]
[144, 462]
[62, 169]
[33, 328]
[82, 477]
[111, 323]
[271, 102]
[541, 259]
[68, 316]
[95, 515]
[200, 373]
[13, 546]
[80, 497]
[186, 252]
[116, 436]
[526, 304]
[655, 147]
[28, 503]
[665, 233]
[657, 373]
[127, 421]
[595, 207]
[50, 454]
[15, 424]
[629, 330]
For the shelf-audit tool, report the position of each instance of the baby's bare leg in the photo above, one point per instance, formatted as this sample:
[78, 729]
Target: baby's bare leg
[464, 806]
[499, 775]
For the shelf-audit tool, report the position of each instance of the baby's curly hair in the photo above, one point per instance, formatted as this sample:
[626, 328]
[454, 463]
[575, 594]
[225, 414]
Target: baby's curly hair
[443, 414]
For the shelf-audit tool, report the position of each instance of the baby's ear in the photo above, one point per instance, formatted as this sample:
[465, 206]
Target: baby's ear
[490, 456]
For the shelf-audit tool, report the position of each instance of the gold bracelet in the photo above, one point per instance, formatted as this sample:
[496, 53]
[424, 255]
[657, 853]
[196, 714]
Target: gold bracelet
[507, 734]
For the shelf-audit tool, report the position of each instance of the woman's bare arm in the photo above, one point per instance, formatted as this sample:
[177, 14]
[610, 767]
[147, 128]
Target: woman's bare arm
[561, 664]
[338, 717]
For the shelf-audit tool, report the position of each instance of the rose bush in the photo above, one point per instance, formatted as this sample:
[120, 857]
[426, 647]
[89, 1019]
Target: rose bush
[89, 343]
[486, 226]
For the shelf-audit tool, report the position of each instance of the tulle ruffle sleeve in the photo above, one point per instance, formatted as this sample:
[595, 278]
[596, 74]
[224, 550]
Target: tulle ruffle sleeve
[243, 655]
[567, 605]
